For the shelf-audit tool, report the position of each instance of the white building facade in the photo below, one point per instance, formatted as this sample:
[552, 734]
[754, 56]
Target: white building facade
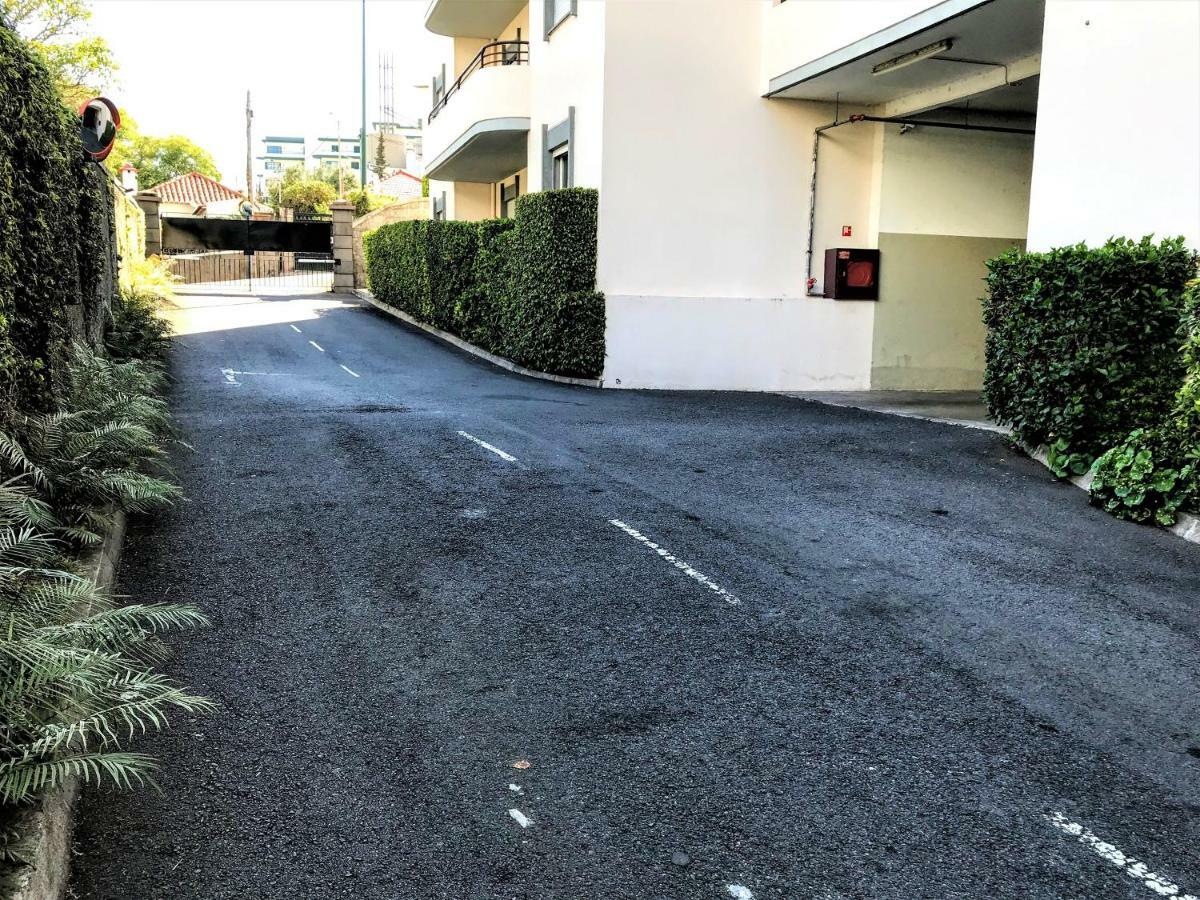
[940, 134]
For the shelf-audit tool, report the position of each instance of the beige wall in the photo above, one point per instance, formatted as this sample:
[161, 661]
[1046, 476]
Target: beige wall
[1118, 123]
[948, 201]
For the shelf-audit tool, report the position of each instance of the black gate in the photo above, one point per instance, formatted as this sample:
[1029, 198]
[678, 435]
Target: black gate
[250, 253]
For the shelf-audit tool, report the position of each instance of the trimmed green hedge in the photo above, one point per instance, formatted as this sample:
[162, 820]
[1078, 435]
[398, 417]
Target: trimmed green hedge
[55, 222]
[523, 289]
[1082, 344]
[1155, 472]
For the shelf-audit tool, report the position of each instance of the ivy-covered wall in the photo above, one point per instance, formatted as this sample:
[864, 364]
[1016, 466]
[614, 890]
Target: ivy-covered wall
[57, 257]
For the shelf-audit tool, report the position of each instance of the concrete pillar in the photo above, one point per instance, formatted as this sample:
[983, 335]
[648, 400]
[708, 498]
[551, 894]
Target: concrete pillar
[343, 245]
[149, 202]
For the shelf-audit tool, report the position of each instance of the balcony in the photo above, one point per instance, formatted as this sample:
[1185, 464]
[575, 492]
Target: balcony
[479, 129]
[471, 18]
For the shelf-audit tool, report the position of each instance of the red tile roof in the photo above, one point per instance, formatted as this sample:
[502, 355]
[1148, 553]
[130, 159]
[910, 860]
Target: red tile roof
[398, 173]
[194, 188]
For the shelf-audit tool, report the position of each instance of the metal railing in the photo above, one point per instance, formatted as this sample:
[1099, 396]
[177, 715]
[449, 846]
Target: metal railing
[498, 53]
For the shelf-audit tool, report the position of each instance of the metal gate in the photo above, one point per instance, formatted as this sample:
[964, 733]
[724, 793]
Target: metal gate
[250, 254]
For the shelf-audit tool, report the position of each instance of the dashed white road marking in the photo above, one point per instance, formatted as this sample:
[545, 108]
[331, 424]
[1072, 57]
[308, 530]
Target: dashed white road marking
[318, 346]
[1134, 868]
[295, 329]
[351, 371]
[507, 457]
[521, 819]
[740, 891]
[676, 562]
[515, 788]
[231, 375]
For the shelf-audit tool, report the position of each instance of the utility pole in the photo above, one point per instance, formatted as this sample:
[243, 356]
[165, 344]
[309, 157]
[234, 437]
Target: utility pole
[249, 167]
[362, 133]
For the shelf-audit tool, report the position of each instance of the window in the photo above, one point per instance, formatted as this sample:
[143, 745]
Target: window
[354, 163]
[555, 13]
[274, 148]
[562, 169]
[508, 198]
[271, 166]
[558, 169]
[439, 207]
[333, 148]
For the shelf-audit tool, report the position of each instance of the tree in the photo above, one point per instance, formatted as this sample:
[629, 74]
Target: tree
[160, 159]
[308, 195]
[379, 167]
[81, 65]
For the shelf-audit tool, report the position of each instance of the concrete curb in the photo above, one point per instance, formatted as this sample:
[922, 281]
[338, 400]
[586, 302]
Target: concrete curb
[50, 824]
[472, 349]
[1187, 526]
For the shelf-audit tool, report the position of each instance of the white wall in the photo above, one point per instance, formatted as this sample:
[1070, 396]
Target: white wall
[704, 211]
[1118, 133]
[568, 70]
[800, 31]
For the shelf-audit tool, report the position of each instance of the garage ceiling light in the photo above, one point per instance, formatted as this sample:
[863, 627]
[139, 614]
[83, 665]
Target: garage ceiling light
[907, 59]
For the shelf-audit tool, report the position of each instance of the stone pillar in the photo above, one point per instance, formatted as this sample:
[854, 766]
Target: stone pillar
[149, 202]
[343, 245]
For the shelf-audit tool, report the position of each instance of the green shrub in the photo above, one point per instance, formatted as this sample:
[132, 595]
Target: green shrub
[138, 329]
[523, 289]
[397, 270]
[76, 668]
[450, 264]
[1155, 472]
[1082, 344]
[554, 257]
[483, 308]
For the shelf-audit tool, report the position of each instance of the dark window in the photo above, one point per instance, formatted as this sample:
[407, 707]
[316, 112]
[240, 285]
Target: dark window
[274, 148]
[562, 169]
[508, 198]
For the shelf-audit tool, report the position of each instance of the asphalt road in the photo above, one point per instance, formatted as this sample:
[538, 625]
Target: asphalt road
[749, 646]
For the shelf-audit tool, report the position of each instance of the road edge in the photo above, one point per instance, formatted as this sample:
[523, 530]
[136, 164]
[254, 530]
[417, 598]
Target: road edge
[458, 342]
[1187, 526]
[51, 823]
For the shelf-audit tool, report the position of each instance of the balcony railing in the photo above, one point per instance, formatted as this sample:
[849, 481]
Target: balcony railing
[499, 53]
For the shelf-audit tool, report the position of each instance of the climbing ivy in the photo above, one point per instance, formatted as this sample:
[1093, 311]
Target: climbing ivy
[55, 223]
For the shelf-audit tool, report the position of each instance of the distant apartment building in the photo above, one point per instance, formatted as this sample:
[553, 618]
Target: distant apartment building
[277, 154]
[402, 144]
[801, 195]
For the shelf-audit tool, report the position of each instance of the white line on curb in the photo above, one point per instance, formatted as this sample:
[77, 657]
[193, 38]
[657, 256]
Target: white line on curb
[351, 371]
[520, 817]
[676, 562]
[508, 457]
[295, 329]
[318, 346]
[1134, 868]
[740, 891]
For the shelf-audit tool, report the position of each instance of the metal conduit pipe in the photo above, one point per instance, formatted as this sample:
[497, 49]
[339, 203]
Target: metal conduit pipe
[809, 281]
